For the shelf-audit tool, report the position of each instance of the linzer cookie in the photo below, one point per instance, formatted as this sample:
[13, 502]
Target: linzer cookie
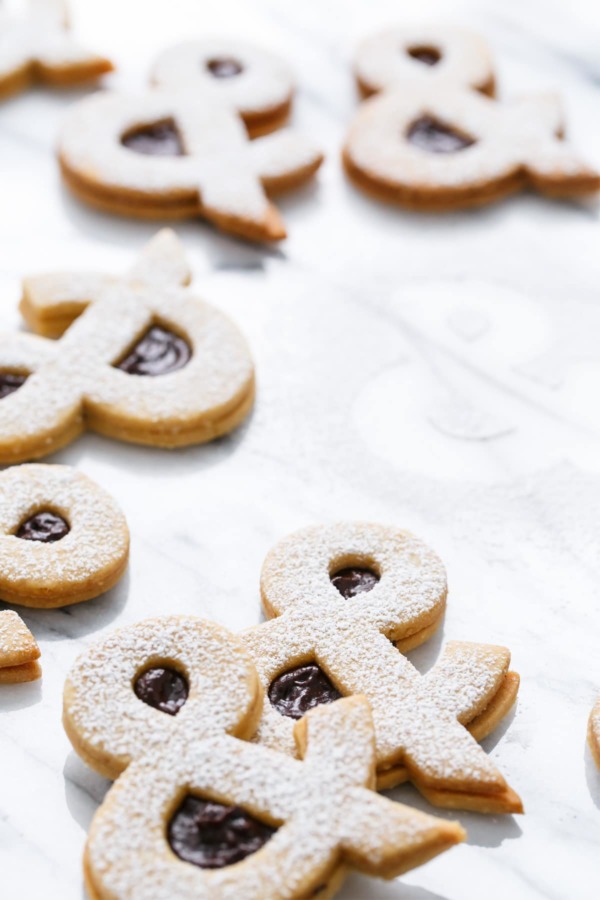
[141, 359]
[19, 652]
[432, 139]
[254, 82]
[198, 811]
[339, 598]
[38, 48]
[180, 154]
[594, 733]
[63, 539]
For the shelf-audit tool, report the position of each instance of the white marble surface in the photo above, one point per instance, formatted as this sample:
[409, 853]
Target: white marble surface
[437, 373]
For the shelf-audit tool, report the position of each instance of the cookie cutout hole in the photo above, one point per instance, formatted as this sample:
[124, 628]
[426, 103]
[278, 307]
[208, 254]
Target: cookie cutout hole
[45, 526]
[155, 139]
[211, 835]
[224, 67]
[157, 352]
[429, 56]
[163, 688]
[351, 580]
[11, 382]
[295, 692]
[429, 134]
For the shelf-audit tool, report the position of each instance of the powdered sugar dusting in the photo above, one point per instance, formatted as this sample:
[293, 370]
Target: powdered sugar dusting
[221, 170]
[41, 36]
[507, 138]
[74, 379]
[17, 644]
[98, 540]
[416, 718]
[322, 805]
[265, 81]
[383, 60]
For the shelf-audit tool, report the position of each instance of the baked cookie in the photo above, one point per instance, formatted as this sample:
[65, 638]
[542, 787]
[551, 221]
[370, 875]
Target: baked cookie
[19, 652]
[435, 55]
[254, 82]
[339, 598]
[36, 48]
[594, 733]
[431, 142]
[144, 360]
[179, 154]
[200, 812]
[63, 539]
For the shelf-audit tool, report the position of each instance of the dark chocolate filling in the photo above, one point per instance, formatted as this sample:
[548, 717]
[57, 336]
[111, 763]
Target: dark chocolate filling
[155, 139]
[354, 580]
[163, 689]
[157, 352]
[296, 691]
[429, 56]
[11, 382]
[224, 67]
[433, 136]
[211, 835]
[44, 526]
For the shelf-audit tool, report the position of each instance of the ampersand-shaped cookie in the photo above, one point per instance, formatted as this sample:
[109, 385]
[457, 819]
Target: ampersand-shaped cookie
[199, 812]
[339, 597]
[594, 733]
[430, 141]
[144, 361]
[62, 538]
[180, 154]
[256, 83]
[37, 47]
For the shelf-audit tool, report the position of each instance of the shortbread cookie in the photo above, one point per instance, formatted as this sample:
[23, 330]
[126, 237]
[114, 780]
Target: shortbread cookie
[37, 48]
[431, 142]
[170, 703]
[339, 597]
[435, 55]
[594, 733]
[63, 539]
[19, 652]
[178, 155]
[256, 83]
[144, 361]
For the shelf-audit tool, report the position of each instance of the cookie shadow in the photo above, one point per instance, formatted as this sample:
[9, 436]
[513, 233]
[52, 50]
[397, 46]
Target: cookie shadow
[19, 696]
[146, 462]
[84, 790]
[359, 886]
[482, 830]
[592, 776]
[69, 622]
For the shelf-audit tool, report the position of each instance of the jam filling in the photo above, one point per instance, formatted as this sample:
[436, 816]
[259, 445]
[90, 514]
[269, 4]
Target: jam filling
[211, 835]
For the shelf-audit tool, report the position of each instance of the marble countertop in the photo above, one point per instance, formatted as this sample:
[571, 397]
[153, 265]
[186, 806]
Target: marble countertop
[439, 373]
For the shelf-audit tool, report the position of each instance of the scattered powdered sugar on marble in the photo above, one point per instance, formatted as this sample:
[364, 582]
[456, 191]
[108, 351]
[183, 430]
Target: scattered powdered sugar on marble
[76, 375]
[416, 718]
[265, 81]
[460, 419]
[322, 805]
[98, 536]
[383, 60]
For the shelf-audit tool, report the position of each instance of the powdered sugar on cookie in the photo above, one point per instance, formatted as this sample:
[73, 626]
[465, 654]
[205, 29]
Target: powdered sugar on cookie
[205, 383]
[86, 555]
[323, 814]
[419, 721]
